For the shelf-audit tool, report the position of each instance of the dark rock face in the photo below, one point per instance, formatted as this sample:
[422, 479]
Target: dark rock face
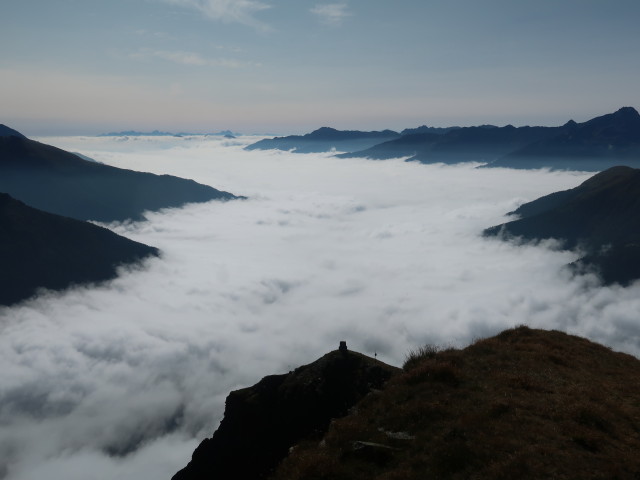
[42, 250]
[324, 140]
[60, 182]
[602, 216]
[261, 423]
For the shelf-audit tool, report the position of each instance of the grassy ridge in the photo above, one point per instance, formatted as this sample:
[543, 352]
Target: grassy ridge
[524, 404]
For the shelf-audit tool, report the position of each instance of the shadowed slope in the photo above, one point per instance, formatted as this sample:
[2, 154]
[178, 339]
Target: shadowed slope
[42, 250]
[9, 132]
[602, 216]
[60, 182]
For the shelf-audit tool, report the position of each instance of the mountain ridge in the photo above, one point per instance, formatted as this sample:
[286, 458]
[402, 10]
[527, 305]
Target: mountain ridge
[261, 423]
[9, 132]
[603, 142]
[60, 182]
[594, 145]
[42, 250]
[324, 139]
[525, 404]
[601, 216]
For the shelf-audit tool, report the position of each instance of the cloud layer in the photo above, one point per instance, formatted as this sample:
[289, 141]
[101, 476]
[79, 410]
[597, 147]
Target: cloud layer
[124, 379]
[231, 11]
[332, 14]
[192, 59]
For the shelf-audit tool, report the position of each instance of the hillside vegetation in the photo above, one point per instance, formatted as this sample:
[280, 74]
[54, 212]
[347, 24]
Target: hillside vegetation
[526, 404]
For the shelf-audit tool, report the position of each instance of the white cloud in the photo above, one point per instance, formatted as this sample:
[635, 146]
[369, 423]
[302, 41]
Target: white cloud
[231, 11]
[385, 255]
[190, 58]
[332, 13]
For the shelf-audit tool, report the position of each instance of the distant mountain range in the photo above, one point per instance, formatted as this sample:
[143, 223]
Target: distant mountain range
[601, 216]
[60, 182]
[43, 250]
[597, 144]
[525, 404]
[480, 144]
[426, 129]
[158, 133]
[325, 139]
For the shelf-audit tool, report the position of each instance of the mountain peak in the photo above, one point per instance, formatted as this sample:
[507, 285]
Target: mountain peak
[324, 130]
[627, 112]
[9, 132]
[261, 423]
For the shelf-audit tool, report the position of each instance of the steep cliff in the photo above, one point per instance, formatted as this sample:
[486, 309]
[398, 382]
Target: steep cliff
[261, 423]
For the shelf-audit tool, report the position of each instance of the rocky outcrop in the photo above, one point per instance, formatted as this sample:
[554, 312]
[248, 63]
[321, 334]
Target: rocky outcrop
[261, 423]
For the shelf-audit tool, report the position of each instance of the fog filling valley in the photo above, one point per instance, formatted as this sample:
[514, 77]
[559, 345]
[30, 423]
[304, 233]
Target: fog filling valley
[124, 379]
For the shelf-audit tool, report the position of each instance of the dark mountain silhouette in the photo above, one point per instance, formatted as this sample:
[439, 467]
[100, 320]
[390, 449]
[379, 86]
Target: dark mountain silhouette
[42, 250]
[60, 182]
[425, 129]
[261, 423]
[324, 140]
[84, 157]
[485, 143]
[597, 144]
[9, 132]
[601, 216]
[526, 404]
[406, 146]
[600, 143]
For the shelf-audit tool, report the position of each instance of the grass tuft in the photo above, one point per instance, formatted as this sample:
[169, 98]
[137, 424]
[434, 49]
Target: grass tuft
[416, 356]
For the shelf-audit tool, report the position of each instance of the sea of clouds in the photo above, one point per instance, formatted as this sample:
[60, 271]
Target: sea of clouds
[124, 379]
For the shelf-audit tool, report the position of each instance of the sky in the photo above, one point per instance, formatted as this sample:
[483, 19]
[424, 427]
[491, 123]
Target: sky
[124, 379]
[290, 66]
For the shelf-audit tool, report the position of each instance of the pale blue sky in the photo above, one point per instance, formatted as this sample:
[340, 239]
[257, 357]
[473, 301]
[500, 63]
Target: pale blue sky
[289, 66]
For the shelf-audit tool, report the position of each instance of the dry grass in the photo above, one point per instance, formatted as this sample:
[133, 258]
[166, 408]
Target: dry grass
[525, 404]
[416, 356]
